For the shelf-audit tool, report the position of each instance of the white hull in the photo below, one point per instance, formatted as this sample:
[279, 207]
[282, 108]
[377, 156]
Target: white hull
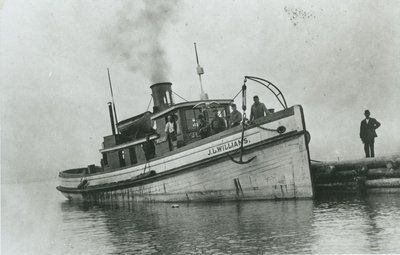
[280, 170]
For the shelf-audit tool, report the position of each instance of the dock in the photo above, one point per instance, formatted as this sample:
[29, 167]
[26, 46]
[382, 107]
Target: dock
[380, 174]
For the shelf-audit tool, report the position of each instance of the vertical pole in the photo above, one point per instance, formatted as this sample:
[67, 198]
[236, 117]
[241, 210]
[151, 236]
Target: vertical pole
[200, 71]
[244, 88]
[112, 95]
[111, 117]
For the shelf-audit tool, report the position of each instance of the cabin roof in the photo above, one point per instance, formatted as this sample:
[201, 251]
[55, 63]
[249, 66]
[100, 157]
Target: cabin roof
[129, 144]
[174, 107]
[123, 122]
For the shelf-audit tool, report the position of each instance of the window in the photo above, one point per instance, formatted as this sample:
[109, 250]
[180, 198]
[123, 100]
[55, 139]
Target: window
[191, 119]
[105, 160]
[132, 155]
[121, 155]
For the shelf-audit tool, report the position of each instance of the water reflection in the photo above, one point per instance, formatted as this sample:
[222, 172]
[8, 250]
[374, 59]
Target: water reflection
[356, 224]
[331, 224]
[250, 228]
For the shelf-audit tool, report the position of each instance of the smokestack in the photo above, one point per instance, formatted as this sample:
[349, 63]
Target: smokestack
[162, 96]
[110, 109]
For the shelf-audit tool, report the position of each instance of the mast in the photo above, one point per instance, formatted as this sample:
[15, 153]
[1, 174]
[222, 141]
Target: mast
[111, 117]
[113, 104]
[200, 71]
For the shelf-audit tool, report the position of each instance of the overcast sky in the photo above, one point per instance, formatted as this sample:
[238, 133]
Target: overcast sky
[335, 58]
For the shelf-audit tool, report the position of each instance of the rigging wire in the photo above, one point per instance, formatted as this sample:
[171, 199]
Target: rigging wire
[180, 96]
[237, 94]
[151, 99]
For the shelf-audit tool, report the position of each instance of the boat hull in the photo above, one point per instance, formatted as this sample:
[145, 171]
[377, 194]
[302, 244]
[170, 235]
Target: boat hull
[280, 169]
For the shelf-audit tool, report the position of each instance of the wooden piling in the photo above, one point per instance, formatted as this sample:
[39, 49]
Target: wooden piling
[357, 175]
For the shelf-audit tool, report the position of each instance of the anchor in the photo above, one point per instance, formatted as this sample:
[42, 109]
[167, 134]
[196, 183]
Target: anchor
[240, 161]
[278, 94]
[280, 130]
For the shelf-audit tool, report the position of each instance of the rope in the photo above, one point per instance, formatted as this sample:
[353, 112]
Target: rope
[180, 96]
[318, 161]
[151, 99]
[237, 94]
[145, 166]
[241, 149]
[267, 129]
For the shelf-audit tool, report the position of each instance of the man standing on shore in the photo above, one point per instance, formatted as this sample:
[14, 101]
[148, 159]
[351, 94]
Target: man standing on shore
[368, 134]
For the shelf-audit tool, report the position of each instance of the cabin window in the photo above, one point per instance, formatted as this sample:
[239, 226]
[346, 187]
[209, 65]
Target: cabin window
[132, 155]
[121, 155]
[160, 124]
[154, 124]
[105, 159]
[191, 119]
[190, 123]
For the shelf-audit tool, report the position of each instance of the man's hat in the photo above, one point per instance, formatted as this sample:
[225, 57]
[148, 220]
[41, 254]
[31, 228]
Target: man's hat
[233, 105]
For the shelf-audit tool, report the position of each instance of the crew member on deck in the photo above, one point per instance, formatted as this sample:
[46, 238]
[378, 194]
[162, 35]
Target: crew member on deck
[204, 129]
[170, 133]
[149, 148]
[218, 123]
[236, 117]
[258, 109]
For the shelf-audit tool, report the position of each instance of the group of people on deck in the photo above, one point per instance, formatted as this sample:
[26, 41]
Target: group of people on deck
[217, 124]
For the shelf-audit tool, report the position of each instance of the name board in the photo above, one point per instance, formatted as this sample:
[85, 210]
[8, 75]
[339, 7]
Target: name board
[228, 146]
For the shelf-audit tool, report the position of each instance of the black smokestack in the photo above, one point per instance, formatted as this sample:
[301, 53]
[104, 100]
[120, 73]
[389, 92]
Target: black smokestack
[110, 109]
[162, 96]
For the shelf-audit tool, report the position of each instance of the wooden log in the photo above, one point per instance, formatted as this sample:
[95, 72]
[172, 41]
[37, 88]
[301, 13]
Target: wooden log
[346, 176]
[381, 190]
[343, 176]
[357, 175]
[383, 183]
[317, 167]
[379, 173]
[378, 162]
[337, 186]
[322, 169]
[359, 185]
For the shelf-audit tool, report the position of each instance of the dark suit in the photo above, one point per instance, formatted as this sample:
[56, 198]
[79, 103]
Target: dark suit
[368, 134]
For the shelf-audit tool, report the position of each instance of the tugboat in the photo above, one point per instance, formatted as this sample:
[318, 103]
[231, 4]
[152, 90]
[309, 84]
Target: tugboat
[266, 158]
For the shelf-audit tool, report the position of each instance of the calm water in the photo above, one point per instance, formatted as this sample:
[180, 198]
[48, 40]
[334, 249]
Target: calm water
[37, 220]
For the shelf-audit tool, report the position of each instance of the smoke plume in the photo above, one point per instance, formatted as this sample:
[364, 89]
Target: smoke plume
[137, 36]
